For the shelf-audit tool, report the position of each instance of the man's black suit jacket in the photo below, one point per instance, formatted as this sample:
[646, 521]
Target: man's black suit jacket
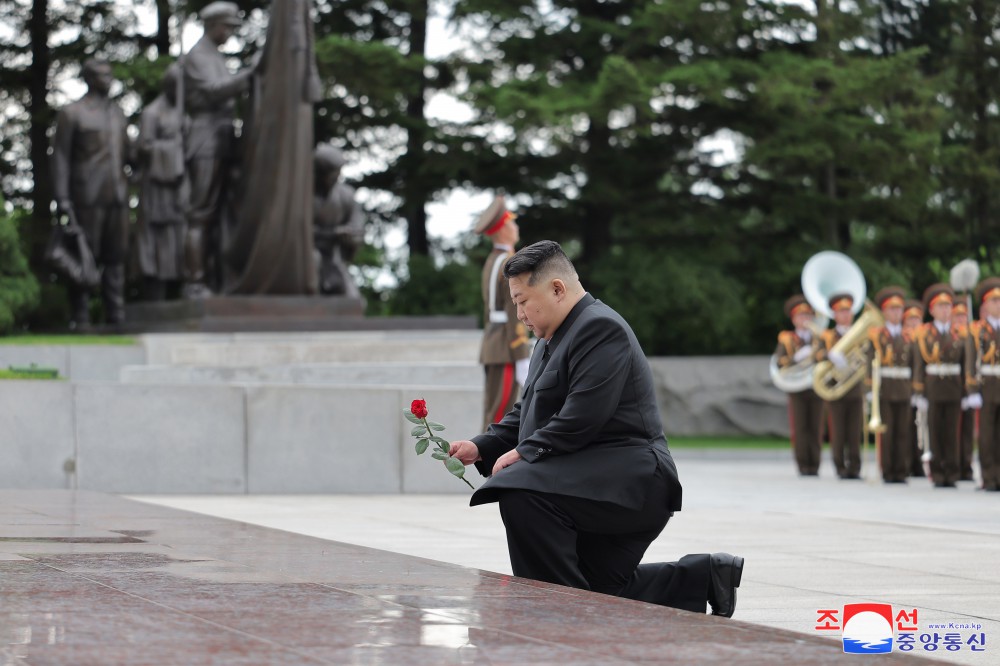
[587, 424]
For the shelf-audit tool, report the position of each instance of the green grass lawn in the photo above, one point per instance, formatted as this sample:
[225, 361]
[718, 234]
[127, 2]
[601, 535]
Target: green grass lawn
[41, 374]
[67, 340]
[728, 443]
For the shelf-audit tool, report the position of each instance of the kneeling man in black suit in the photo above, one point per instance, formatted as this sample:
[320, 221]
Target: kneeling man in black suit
[580, 465]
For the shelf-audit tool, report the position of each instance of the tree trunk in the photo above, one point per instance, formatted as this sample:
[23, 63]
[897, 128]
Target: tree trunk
[413, 190]
[41, 119]
[163, 28]
[597, 210]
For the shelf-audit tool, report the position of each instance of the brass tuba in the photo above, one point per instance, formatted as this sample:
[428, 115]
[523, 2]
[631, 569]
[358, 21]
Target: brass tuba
[826, 274]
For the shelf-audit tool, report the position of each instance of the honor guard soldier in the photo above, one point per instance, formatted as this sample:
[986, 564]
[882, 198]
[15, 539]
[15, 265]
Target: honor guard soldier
[939, 383]
[982, 356]
[895, 354]
[505, 349]
[847, 412]
[967, 421]
[796, 352]
[913, 319]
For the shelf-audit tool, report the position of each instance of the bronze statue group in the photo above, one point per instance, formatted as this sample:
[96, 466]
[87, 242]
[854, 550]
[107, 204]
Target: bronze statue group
[928, 387]
[263, 213]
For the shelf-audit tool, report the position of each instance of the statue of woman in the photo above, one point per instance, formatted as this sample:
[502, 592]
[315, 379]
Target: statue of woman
[271, 251]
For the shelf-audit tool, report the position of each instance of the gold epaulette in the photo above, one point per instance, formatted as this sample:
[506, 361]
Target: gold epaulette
[522, 336]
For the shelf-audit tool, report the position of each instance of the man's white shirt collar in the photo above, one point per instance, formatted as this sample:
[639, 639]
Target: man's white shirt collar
[942, 328]
[895, 330]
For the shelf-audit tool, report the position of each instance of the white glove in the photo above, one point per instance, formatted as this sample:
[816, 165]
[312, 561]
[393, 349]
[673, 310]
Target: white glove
[973, 401]
[965, 403]
[868, 396]
[920, 402]
[838, 359]
[521, 370]
[802, 354]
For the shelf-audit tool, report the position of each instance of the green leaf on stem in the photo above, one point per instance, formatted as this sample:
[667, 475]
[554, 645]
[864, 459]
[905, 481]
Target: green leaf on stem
[440, 440]
[455, 466]
[422, 445]
[419, 431]
[435, 426]
[439, 455]
[411, 418]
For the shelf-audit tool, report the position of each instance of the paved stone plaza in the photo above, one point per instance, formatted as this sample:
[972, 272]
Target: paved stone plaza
[809, 543]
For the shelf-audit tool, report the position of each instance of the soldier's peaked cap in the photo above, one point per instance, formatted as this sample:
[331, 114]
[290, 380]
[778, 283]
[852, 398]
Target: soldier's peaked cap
[890, 296]
[228, 12]
[797, 304]
[489, 220]
[939, 292]
[988, 288]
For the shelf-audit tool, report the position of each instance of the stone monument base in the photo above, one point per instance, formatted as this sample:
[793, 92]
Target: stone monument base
[247, 314]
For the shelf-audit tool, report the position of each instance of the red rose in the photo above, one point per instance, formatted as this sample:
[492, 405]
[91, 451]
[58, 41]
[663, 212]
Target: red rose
[419, 409]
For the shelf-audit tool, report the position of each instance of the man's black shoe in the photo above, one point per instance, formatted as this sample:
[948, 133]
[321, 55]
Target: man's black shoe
[727, 570]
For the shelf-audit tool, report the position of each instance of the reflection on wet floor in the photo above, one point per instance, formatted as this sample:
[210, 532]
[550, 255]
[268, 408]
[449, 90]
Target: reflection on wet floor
[87, 578]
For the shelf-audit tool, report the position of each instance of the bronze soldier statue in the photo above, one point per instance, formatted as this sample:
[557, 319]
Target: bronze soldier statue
[339, 225]
[210, 90]
[90, 182]
[163, 190]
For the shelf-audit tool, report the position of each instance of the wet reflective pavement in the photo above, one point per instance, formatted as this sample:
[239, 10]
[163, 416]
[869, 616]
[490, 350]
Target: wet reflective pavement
[87, 578]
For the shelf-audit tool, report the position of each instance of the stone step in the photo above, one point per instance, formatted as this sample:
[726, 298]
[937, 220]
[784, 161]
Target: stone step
[441, 373]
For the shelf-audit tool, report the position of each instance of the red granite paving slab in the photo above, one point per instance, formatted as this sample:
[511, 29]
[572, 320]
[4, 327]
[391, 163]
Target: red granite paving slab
[110, 581]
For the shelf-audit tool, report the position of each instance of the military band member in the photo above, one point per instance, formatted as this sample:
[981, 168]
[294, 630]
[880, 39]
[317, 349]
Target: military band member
[982, 354]
[913, 319]
[805, 409]
[505, 349]
[895, 354]
[939, 383]
[967, 420]
[847, 412]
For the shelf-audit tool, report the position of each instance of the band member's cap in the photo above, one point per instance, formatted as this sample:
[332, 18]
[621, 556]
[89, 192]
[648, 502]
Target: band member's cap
[914, 308]
[797, 304]
[987, 289]
[938, 293]
[890, 297]
[841, 302]
[493, 218]
[228, 12]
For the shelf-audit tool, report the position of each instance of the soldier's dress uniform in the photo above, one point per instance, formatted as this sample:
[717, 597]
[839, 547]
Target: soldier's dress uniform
[846, 413]
[913, 319]
[505, 339]
[967, 420]
[805, 408]
[984, 359]
[895, 354]
[938, 376]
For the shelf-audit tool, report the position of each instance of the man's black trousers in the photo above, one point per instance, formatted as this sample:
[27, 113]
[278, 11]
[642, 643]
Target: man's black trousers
[597, 546]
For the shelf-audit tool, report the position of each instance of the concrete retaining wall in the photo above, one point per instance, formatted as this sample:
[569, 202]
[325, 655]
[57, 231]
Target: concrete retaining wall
[224, 439]
[301, 413]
